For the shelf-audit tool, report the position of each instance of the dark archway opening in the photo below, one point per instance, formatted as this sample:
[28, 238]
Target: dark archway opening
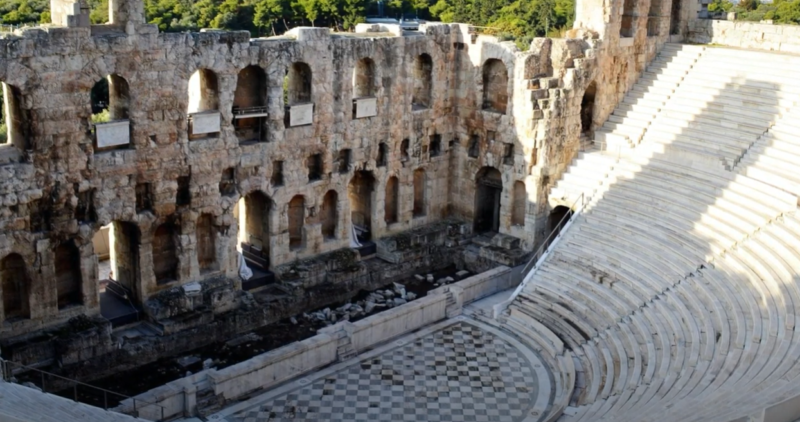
[253, 214]
[119, 278]
[556, 220]
[165, 257]
[68, 275]
[675, 18]
[359, 192]
[390, 201]
[488, 189]
[329, 215]
[254, 231]
[16, 287]
[297, 217]
[587, 110]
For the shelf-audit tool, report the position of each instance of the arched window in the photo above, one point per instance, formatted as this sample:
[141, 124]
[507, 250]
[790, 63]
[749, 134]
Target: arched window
[329, 214]
[419, 193]
[165, 257]
[297, 216]
[423, 76]
[68, 275]
[110, 98]
[627, 28]
[519, 205]
[203, 91]
[206, 250]
[297, 84]
[495, 86]
[364, 79]
[17, 130]
[15, 287]
[250, 104]
[390, 201]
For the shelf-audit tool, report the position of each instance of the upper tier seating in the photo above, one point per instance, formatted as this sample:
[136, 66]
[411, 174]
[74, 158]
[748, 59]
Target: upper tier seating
[675, 292]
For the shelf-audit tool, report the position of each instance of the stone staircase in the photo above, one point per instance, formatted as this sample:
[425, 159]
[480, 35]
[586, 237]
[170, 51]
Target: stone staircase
[677, 287]
[628, 124]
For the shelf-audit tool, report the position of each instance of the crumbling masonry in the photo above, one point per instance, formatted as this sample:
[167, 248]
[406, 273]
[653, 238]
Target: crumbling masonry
[282, 146]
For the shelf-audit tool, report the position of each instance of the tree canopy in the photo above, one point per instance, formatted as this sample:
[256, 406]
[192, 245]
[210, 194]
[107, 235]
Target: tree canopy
[519, 20]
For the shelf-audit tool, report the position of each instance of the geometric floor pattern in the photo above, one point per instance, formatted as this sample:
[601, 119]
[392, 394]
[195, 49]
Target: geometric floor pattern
[459, 373]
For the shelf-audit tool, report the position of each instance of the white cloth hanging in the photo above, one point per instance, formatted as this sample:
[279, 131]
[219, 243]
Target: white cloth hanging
[244, 271]
[354, 237]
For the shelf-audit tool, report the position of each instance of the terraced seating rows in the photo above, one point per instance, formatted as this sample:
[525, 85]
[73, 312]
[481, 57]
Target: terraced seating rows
[675, 293]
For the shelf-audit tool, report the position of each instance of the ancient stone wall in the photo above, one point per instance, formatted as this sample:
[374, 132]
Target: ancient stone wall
[178, 186]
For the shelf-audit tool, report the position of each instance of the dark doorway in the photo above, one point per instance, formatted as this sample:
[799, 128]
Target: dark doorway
[558, 217]
[675, 18]
[587, 110]
[489, 187]
[359, 191]
[124, 247]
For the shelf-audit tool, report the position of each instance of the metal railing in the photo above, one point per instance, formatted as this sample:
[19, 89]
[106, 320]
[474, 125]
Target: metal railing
[576, 208]
[87, 394]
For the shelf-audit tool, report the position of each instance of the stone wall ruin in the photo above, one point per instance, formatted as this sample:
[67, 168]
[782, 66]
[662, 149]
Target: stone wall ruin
[223, 142]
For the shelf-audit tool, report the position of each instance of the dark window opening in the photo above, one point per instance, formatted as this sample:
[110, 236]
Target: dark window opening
[277, 173]
[314, 164]
[474, 146]
[84, 211]
[227, 184]
[144, 197]
[344, 160]
[508, 154]
[436, 145]
[184, 194]
[382, 159]
[404, 145]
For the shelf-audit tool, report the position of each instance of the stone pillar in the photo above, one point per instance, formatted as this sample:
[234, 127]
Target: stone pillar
[70, 13]
[126, 13]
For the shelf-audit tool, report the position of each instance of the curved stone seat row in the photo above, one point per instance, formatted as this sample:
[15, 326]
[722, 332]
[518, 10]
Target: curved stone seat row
[675, 294]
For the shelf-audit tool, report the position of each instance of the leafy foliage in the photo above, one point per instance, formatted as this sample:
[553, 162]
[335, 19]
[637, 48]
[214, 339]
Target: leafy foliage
[518, 20]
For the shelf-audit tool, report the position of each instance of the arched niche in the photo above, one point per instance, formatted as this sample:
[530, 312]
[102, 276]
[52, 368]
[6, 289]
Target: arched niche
[488, 191]
[495, 86]
[250, 104]
[423, 82]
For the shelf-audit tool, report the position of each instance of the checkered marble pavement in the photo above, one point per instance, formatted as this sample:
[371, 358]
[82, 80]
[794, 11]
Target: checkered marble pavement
[458, 373]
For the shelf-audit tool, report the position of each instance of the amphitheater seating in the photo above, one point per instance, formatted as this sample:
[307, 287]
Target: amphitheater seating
[27, 404]
[675, 293]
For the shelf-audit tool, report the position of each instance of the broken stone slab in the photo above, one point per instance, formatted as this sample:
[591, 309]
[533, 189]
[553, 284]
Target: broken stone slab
[462, 273]
[186, 361]
[411, 296]
[399, 301]
[419, 277]
[191, 289]
[429, 277]
[293, 320]
[208, 363]
[249, 337]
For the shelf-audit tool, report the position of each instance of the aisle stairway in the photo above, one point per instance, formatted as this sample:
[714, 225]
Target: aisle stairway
[673, 296]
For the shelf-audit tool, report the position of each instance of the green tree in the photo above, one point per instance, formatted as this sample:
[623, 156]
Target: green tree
[267, 13]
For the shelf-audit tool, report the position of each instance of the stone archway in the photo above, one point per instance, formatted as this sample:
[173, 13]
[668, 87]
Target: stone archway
[359, 192]
[488, 189]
